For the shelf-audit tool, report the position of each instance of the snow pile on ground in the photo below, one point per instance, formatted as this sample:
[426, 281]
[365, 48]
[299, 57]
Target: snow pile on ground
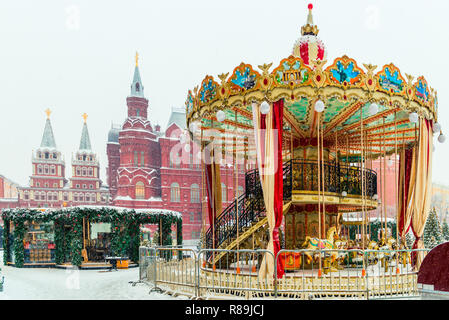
[53, 283]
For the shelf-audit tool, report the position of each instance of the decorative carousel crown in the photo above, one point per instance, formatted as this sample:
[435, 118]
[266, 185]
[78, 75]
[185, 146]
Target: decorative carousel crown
[309, 47]
[309, 28]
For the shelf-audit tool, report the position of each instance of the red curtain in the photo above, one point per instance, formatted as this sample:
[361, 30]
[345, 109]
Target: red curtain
[209, 193]
[405, 167]
[213, 189]
[278, 112]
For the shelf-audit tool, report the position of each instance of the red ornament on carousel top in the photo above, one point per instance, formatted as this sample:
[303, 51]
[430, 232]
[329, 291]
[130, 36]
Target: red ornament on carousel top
[309, 47]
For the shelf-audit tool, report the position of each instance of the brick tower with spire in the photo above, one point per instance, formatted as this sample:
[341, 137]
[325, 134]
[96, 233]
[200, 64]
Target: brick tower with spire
[138, 173]
[152, 168]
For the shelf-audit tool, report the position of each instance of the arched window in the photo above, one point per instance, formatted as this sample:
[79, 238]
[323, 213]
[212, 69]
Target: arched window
[175, 192]
[194, 193]
[135, 158]
[84, 171]
[137, 87]
[140, 190]
[87, 198]
[138, 112]
[91, 172]
[52, 170]
[142, 159]
[46, 169]
[82, 197]
[224, 193]
[78, 171]
[75, 197]
[39, 169]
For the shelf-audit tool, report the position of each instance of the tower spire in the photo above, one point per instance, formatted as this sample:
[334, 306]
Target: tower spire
[137, 86]
[48, 139]
[85, 140]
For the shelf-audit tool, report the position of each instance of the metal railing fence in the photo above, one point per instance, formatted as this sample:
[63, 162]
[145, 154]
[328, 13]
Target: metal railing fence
[309, 274]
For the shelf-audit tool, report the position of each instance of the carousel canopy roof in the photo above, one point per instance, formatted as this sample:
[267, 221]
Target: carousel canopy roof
[349, 91]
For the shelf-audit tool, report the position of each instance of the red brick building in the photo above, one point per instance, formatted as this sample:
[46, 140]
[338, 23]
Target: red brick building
[150, 168]
[387, 173]
[8, 193]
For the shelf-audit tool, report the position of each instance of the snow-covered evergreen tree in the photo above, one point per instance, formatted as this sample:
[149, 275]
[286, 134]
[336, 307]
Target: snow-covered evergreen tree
[445, 231]
[432, 231]
[409, 239]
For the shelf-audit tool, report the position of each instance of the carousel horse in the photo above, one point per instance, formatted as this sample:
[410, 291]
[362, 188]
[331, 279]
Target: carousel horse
[312, 244]
[340, 244]
[387, 256]
[372, 255]
[405, 256]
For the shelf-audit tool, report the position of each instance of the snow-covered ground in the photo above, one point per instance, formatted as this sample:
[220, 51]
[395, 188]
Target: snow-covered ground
[53, 283]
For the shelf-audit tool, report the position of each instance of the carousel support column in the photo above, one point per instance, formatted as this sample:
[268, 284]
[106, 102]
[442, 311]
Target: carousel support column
[203, 195]
[396, 191]
[323, 173]
[337, 183]
[319, 197]
[369, 146]
[212, 201]
[381, 195]
[384, 182]
[362, 161]
[363, 189]
[291, 145]
[236, 186]
[291, 186]
[404, 197]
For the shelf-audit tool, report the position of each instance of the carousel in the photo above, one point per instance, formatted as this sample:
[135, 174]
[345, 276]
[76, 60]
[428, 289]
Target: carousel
[306, 131]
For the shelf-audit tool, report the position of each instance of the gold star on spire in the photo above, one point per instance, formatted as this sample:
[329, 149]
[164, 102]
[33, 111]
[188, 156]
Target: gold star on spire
[137, 59]
[48, 111]
[84, 117]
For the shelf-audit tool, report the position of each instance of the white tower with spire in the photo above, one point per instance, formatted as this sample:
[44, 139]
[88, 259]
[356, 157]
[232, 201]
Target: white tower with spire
[48, 176]
[85, 181]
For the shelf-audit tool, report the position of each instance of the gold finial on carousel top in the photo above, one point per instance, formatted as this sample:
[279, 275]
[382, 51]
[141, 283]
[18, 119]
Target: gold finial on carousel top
[48, 112]
[309, 28]
[84, 117]
[137, 59]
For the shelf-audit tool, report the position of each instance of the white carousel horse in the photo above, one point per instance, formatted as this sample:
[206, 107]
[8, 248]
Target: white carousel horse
[312, 244]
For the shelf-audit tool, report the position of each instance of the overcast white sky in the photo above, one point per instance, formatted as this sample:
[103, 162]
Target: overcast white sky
[78, 56]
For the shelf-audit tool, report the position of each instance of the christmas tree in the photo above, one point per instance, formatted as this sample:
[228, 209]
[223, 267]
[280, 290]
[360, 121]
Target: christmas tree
[445, 231]
[409, 239]
[432, 231]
